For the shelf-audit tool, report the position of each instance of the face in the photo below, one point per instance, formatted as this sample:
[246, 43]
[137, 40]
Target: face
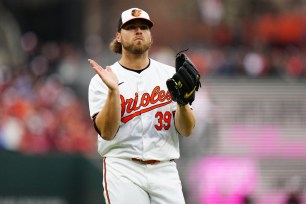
[135, 37]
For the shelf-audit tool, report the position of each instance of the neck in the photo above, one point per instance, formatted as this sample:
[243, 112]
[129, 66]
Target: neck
[134, 61]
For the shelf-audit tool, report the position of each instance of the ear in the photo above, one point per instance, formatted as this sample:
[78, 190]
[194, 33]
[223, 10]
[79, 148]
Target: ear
[118, 37]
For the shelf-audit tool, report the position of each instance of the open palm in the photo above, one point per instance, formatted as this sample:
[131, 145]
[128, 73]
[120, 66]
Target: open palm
[107, 75]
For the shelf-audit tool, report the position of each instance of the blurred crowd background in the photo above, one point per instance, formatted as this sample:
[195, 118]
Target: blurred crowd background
[250, 141]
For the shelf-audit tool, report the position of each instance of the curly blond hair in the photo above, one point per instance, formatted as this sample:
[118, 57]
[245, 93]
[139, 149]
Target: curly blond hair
[115, 46]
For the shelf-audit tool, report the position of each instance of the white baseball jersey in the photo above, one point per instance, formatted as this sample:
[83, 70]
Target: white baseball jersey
[147, 130]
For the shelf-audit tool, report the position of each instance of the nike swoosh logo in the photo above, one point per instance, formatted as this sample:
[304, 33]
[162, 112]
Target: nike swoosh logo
[187, 95]
[120, 83]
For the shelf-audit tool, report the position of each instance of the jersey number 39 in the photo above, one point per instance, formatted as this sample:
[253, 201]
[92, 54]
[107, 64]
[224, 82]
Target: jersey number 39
[163, 120]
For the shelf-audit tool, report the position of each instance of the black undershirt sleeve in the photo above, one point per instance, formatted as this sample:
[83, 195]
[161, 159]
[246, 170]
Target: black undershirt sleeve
[95, 125]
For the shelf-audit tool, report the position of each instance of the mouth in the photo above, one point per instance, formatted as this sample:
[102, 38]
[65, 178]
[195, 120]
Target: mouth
[139, 38]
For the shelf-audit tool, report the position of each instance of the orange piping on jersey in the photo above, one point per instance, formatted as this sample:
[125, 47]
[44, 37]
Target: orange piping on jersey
[105, 182]
[130, 117]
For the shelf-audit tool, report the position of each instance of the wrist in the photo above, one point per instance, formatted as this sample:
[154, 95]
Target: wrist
[182, 106]
[113, 91]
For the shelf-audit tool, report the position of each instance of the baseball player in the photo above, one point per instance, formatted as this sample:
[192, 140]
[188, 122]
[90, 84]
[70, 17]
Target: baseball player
[140, 107]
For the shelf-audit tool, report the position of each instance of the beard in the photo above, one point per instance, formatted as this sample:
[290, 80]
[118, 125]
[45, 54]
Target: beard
[136, 47]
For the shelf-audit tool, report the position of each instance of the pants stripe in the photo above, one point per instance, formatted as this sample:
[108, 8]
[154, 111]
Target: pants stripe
[105, 183]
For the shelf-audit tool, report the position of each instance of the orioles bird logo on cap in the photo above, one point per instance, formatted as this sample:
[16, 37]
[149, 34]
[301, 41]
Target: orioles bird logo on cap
[136, 12]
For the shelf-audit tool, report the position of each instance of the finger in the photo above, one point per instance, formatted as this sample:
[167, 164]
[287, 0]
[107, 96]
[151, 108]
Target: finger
[191, 69]
[98, 69]
[93, 63]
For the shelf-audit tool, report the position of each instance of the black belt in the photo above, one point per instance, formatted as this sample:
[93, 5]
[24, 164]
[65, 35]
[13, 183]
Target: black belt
[151, 161]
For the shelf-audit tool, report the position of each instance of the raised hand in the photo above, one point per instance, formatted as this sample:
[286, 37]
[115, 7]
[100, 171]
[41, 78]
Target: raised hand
[107, 75]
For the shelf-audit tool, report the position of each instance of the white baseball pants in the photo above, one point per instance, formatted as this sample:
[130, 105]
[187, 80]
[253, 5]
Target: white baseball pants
[130, 182]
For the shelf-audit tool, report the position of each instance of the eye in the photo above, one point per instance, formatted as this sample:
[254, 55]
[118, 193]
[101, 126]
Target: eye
[144, 27]
[134, 27]
[130, 27]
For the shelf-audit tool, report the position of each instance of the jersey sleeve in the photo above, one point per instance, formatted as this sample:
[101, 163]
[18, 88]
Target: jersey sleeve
[97, 94]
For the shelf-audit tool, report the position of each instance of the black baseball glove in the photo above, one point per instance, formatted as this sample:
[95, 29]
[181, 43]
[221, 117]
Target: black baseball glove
[185, 82]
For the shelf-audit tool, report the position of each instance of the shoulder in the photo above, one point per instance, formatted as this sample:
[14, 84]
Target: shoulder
[95, 79]
[160, 64]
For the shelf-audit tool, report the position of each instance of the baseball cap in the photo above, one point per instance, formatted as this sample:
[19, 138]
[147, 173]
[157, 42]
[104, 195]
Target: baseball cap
[133, 14]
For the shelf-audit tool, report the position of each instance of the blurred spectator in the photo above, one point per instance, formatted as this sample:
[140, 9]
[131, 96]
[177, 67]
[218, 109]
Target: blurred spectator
[293, 198]
[296, 64]
[212, 11]
[39, 113]
[294, 190]
[10, 48]
[285, 28]
[247, 199]
[255, 64]
[29, 42]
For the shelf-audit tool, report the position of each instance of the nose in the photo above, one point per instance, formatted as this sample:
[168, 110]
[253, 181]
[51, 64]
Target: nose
[138, 29]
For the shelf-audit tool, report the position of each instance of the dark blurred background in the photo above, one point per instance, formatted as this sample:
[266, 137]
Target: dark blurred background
[249, 145]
